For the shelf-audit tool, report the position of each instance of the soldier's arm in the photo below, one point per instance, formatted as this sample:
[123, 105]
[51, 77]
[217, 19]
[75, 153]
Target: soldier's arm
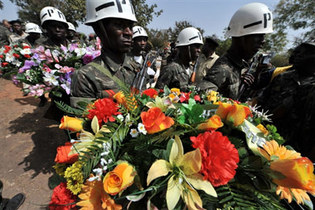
[165, 77]
[217, 75]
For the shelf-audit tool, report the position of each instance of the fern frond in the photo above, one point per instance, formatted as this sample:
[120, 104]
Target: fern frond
[68, 109]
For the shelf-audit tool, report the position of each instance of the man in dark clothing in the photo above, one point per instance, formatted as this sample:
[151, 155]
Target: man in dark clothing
[291, 99]
[247, 28]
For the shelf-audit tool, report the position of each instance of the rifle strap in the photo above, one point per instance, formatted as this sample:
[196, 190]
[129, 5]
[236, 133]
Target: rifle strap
[105, 70]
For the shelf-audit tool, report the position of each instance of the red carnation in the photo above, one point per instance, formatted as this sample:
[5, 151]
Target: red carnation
[62, 198]
[4, 64]
[152, 93]
[16, 55]
[1, 56]
[104, 109]
[27, 56]
[26, 46]
[219, 157]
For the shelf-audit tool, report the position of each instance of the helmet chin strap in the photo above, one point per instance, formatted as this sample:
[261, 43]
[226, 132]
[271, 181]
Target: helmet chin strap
[189, 53]
[103, 30]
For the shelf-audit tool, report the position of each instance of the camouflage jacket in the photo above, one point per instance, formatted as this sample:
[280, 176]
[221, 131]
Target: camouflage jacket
[174, 75]
[89, 83]
[225, 76]
[14, 38]
[4, 36]
[47, 43]
[204, 65]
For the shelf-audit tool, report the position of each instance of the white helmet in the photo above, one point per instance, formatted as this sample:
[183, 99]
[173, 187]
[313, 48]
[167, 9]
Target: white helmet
[71, 26]
[253, 18]
[138, 31]
[100, 9]
[52, 13]
[189, 36]
[32, 28]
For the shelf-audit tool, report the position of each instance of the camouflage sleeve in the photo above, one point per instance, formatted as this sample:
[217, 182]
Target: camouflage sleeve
[165, 77]
[217, 75]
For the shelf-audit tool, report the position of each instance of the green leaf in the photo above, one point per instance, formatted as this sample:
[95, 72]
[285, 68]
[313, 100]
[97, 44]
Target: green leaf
[55, 180]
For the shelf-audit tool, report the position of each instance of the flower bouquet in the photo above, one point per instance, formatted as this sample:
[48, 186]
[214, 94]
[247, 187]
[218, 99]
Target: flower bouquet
[165, 149]
[50, 70]
[13, 57]
[44, 70]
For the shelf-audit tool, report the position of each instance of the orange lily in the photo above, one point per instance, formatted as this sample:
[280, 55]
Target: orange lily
[212, 123]
[234, 113]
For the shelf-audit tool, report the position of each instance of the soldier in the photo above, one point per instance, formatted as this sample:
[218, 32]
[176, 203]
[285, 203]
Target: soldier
[112, 23]
[206, 59]
[72, 34]
[18, 32]
[4, 36]
[56, 26]
[291, 99]
[139, 40]
[177, 74]
[34, 33]
[247, 28]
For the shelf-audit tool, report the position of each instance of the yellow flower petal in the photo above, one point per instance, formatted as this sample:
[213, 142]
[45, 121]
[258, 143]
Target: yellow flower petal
[177, 150]
[191, 198]
[199, 183]
[71, 123]
[157, 169]
[173, 192]
[190, 162]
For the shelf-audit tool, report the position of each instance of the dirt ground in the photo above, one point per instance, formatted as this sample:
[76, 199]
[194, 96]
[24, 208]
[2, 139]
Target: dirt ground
[28, 143]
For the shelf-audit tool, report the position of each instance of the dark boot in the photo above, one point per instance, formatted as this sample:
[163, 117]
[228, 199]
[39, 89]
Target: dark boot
[15, 202]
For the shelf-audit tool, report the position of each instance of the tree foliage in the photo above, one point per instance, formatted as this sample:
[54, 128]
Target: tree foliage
[295, 14]
[180, 25]
[1, 5]
[158, 38]
[145, 12]
[75, 10]
[29, 10]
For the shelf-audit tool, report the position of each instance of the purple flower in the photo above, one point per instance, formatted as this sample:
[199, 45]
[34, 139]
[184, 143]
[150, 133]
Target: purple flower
[27, 65]
[87, 58]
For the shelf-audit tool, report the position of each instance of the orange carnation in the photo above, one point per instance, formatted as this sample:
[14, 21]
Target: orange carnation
[154, 120]
[119, 179]
[212, 123]
[63, 154]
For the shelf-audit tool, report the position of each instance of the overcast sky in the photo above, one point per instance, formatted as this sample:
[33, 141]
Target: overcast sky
[211, 15]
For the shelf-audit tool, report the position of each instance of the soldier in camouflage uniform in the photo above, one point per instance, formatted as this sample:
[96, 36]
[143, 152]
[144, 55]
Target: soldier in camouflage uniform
[56, 26]
[34, 33]
[247, 28]
[177, 74]
[291, 99]
[113, 25]
[18, 33]
[4, 36]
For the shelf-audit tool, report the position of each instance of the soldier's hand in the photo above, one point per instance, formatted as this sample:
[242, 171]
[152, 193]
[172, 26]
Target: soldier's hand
[248, 79]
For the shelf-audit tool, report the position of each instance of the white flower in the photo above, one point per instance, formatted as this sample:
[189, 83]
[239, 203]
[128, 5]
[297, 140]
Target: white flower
[92, 179]
[120, 117]
[80, 51]
[142, 129]
[9, 57]
[26, 51]
[50, 78]
[134, 133]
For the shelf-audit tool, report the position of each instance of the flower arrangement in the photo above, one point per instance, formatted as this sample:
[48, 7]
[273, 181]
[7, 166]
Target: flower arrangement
[168, 149]
[45, 70]
[13, 57]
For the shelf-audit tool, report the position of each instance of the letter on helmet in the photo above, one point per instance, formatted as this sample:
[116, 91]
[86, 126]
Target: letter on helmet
[52, 13]
[100, 9]
[253, 18]
[189, 36]
[71, 26]
[32, 28]
[138, 31]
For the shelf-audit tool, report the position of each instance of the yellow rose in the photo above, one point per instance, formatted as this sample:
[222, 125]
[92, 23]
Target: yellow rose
[119, 179]
[71, 123]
